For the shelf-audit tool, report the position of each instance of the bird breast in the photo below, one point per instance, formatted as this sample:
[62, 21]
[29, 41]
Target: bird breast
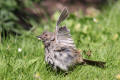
[62, 59]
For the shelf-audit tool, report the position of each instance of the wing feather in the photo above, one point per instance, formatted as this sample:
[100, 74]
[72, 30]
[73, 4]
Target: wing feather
[62, 33]
[61, 18]
[64, 37]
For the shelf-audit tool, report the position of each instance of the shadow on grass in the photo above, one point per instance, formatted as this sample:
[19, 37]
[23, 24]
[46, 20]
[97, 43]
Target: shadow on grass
[59, 72]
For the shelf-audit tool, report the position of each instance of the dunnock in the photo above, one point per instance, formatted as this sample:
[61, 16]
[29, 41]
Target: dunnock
[60, 50]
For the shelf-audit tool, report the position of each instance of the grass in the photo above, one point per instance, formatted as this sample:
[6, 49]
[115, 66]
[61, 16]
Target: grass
[101, 37]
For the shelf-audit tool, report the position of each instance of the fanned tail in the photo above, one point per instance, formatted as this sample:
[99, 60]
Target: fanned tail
[95, 63]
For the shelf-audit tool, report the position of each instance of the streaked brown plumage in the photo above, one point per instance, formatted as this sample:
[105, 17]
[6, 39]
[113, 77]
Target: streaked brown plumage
[60, 50]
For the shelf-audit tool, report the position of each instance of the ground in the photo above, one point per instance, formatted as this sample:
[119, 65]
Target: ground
[22, 57]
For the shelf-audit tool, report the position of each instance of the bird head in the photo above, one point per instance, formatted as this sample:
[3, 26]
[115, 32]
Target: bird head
[46, 36]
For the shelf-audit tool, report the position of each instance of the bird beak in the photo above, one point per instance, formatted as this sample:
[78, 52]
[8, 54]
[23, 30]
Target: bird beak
[39, 37]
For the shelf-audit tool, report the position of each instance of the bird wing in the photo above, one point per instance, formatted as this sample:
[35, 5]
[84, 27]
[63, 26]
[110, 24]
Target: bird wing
[62, 33]
[64, 37]
[61, 18]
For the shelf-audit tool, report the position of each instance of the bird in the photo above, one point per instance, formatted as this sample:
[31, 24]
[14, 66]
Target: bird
[60, 50]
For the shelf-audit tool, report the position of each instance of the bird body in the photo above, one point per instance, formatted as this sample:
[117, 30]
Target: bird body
[60, 50]
[60, 56]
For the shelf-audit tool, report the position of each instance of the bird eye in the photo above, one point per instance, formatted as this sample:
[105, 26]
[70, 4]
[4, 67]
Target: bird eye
[45, 34]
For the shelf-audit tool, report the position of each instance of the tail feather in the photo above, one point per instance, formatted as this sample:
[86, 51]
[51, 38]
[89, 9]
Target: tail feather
[95, 63]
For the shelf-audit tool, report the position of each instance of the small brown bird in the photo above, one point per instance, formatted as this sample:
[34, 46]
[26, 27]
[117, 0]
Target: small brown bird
[60, 50]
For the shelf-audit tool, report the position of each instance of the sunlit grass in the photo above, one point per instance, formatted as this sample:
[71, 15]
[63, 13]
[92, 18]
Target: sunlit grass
[22, 57]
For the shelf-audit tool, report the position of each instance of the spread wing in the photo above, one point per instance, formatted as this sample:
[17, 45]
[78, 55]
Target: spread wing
[61, 18]
[64, 37]
[62, 33]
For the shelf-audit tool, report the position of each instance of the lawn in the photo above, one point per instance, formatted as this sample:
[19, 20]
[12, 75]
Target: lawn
[22, 57]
